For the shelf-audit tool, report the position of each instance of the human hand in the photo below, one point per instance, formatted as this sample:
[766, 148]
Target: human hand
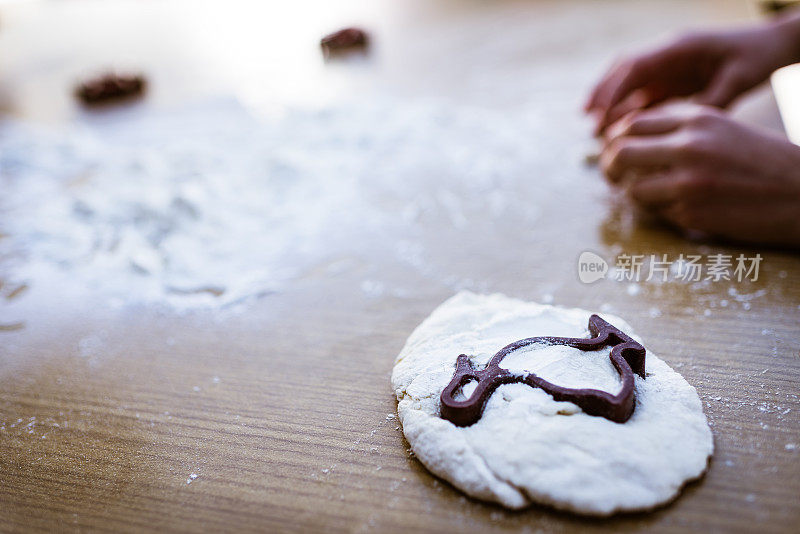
[712, 67]
[701, 170]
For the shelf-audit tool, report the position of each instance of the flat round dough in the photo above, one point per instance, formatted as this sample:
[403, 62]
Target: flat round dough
[527, 447]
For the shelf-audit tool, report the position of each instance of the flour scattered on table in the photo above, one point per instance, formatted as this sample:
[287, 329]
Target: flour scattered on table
[527, 447]
[209, 207]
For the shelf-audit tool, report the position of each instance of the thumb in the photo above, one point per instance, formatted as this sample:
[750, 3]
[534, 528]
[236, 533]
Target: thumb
[723, 89]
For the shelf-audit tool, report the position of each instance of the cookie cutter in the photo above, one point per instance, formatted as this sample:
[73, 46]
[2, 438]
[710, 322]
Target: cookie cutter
[627, 356]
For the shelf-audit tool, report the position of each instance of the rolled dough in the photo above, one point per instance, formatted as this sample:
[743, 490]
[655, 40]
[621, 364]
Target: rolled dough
[529, 448]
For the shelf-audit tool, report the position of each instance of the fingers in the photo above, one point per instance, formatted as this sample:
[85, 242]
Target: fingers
[636, 101]
[698, 200]
[657, 190]
[687, 184]
[600, 90]
[666, 136]
[623, 78]
[762, 222]
[628, 154]
[700, 170]
[636, 83]
[648, 122]
[677, 69]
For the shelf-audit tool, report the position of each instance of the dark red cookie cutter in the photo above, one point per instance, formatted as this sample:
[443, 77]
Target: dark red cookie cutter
[627, 356]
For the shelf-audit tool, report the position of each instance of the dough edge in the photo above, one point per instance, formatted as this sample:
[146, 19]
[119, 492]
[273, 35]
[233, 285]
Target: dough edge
[425, 432]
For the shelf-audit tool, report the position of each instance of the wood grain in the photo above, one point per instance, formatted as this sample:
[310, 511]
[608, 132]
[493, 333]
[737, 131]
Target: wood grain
[283, 411]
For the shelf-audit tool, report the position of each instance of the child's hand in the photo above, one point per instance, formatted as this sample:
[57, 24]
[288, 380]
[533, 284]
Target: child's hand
[714, 68]
[702, 170]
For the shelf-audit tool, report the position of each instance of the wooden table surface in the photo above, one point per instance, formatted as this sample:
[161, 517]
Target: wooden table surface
[280, 418]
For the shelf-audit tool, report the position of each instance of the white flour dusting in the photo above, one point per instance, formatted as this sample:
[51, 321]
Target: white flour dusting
[213, 207]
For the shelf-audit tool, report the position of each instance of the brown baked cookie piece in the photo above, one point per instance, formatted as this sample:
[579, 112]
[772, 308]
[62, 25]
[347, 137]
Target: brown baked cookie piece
[345, 41]
[111, 87]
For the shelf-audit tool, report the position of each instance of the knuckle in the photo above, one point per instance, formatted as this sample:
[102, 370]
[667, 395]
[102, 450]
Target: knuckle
[632, 122]
[684, 146]
[622, 151]
[614, 157]
[611, 151]
[620, 155]
[702, 118]
[694, 146]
